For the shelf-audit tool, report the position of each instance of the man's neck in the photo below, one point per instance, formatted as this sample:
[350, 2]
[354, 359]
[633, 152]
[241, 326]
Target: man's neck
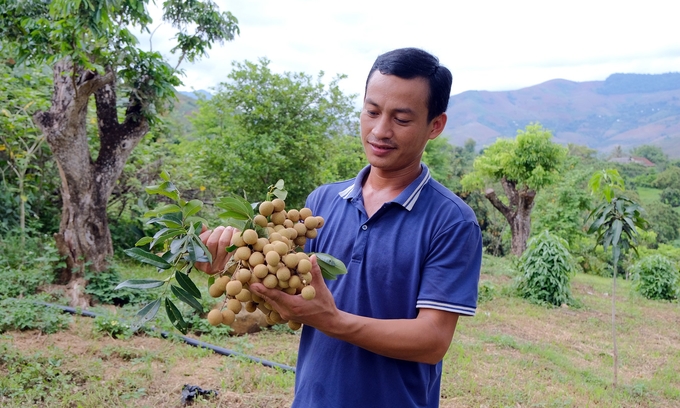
[381, 187]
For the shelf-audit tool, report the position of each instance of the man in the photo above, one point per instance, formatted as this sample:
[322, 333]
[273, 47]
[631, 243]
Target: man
[376, 336]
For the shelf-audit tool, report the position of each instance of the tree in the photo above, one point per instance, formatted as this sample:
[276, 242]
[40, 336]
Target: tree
[263, 126]
[669, 178]
[615, 223]
[94, 56]
[523, 166]
[663, 220]
[654, 154]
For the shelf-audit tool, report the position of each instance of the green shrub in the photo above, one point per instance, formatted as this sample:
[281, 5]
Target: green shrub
[544, 271]
[111, 326]
[487, 292]
[24, 268]
[101, 286]
[657, 278]
[26, 314]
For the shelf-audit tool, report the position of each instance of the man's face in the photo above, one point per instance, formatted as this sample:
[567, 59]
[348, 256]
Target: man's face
[394, 126]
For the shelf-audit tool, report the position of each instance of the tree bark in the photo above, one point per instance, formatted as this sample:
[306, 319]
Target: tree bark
[517, 212]
[84, 238]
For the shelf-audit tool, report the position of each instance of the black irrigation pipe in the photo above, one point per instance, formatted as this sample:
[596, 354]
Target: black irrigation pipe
[192, 342]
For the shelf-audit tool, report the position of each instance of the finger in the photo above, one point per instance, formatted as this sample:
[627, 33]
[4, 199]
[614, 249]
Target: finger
[221, 255]
[317, 277]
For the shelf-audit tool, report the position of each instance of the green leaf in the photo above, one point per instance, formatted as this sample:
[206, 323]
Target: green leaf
[165, 176]
[187, 284]
[172, 220]
[238, 224]
[147, 257]
[163, 209]
[233, 215]
[175, 316]
[143, 241]
[191, 208]
[237, 207]
[211, 280]
[330, 266]
[166, 233]
[147, 313]
[185, 297]
[140, 284]
[166, 188]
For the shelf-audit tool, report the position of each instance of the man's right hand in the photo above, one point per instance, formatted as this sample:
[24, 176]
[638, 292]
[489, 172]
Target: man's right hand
[217, 241]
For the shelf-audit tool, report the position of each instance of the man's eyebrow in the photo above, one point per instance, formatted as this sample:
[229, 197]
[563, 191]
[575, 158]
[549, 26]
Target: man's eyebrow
[408, 111]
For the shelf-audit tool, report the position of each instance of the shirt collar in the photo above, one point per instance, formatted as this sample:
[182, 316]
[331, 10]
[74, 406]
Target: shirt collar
[406, 198]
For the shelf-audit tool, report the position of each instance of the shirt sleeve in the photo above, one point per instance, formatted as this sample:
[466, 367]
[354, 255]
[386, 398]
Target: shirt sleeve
[450, 277]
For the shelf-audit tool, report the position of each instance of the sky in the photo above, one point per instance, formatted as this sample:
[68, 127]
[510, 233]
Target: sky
[488, 45]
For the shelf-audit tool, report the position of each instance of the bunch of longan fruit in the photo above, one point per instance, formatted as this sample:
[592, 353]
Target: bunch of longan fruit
[275, 260]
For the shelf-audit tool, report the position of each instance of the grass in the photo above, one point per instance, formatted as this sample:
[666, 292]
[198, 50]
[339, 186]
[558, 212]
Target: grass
[511, 354]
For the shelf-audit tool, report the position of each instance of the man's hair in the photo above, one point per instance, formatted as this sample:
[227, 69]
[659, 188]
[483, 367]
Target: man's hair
[408, 63]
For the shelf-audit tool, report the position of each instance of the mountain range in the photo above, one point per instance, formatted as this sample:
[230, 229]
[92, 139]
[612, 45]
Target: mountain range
[624, 110]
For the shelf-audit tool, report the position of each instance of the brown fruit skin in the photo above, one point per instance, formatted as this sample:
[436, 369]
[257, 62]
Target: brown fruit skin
[308, 292]
[293, 325]
[249, 236]
[244, 296]
[215, 291]
[291, 260]
[295, 282]
[305, 212]
[279, 204]
[273, 258]
[228, 316]
[320, 220]
[271, 281]
[311, 222]
[281, 248]
[256, 258]
[304, 266]
[300, 229]
[234, 305]
[294, 215]
[260, 220]
[266, 208]
[300, 241]
[260, 271]
[278, 218]
[215, 317]
[251, 307]
[283, 274]
[312, 233]
[259, 245]
[234, 288]
[243, 253]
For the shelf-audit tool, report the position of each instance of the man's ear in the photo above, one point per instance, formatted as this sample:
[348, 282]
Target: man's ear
[437, 126]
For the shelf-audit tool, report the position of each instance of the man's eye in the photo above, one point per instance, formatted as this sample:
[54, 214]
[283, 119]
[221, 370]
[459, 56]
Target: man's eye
[371, 113]
[402, 121]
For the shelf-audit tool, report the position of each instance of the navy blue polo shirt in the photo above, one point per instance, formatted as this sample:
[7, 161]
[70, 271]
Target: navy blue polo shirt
[421, 250]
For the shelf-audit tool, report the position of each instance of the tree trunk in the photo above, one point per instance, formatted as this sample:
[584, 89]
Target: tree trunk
[84, 238]
[517, 213]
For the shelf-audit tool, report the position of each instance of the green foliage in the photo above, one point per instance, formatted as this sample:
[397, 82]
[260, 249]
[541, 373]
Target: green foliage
[487, 292]
[655, 154]
[449, 163]
[286, 130]
[102, 287]
[663, 220]
[531, 160]
[671, 196]
[111, 326]
[669, 178]
[545, 269]
[26, 314]
[657, 278]
[24, 269]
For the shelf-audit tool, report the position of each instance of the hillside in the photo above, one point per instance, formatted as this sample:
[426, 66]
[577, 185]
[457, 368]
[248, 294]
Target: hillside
[625, 109]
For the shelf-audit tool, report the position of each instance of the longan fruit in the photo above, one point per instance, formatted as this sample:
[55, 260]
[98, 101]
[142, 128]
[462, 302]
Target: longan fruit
[281, 248]
[271, 281]
[275, 316]
[260, 220]
[312, 233]
[294, 215]
[290, 291]
[295, 282]
[292, 233]
[288, 223]
[300, 229]
[304, 213]
[306, 278]
[260, 271]
[234, 305]
[275, 237]
[244, 295]
[279, 204]
[320, 221]
[251, 307]
[272, 269]
[293, 325]
[228, 316]
[278, 217]
[267, 248]
[302, 255]
[215, 317]
[273, 257]
[256, 258]
[283, 274]
[304, 266]
[234, 287]
[244, 275]
[300, 240]
[215, 290]
[266, 208]
[278, 228]
[259, 245]
[256, 298]
[291, 260]
[254, 279]
[311, 222]
[249, 236]
[243, 253]
[308, 292]
[237, 240]
[283, 284]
